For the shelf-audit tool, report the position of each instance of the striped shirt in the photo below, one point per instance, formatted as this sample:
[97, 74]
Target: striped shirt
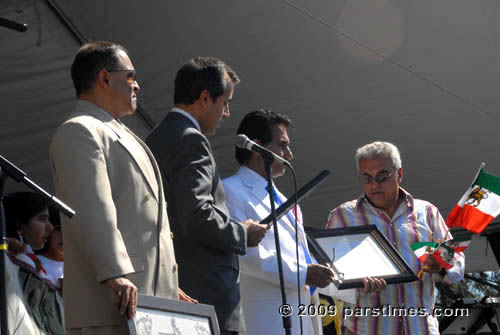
[414, 221]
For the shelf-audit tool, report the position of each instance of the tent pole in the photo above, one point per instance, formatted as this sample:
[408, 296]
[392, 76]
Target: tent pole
[3, 254]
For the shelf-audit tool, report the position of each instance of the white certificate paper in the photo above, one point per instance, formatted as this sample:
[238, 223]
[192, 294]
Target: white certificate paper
[358, 256]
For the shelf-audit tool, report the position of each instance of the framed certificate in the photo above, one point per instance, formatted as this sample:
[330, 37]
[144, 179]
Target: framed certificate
[160, 316]
[359, 252]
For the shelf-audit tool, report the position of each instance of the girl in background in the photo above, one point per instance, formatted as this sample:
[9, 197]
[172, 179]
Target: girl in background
[52, 255]
[28, 229]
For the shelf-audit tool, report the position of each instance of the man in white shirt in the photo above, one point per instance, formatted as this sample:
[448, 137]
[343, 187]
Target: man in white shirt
[247, 197]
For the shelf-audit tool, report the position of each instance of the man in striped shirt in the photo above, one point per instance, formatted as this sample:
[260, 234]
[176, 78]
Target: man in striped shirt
[403, 220]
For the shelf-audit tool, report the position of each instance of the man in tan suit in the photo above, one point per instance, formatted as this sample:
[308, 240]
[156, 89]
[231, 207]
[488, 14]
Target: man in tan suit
[119, 243]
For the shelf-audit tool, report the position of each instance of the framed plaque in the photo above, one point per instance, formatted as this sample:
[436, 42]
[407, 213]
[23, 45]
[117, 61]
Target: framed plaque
[359, 252]
[160, 316]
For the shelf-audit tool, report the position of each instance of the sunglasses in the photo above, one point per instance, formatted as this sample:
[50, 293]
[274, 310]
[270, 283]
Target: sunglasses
[380, 178]
[131, 75]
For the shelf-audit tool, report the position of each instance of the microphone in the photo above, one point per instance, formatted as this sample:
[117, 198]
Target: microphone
[21, 27]
[243, 142]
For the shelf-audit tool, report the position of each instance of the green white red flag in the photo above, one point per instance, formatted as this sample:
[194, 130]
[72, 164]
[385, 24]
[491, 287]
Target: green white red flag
[442, 253]
[422, 249]
[479, 205]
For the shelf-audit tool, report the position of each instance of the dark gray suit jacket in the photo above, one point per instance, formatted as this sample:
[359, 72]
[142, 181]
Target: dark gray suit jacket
[206, 242]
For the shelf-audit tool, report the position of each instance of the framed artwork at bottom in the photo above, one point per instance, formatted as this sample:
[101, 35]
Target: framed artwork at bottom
[160, 316]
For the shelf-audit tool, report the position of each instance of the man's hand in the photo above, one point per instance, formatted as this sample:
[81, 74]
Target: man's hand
[14, 246]
[255, 232]
[184, 297]
[431, 265]
[125, 295]
[373, 284]
[319, 275]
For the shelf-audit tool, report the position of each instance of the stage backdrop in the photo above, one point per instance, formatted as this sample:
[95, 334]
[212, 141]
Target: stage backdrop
[421, 74]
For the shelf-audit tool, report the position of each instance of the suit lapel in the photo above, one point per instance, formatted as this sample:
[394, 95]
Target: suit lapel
[126, 139]
[260, 193]
[158, 191]
[186, 122]
[153, 177]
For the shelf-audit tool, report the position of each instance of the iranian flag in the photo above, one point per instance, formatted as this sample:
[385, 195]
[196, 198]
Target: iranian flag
[479, 205]
[444, 256]
[459, 244]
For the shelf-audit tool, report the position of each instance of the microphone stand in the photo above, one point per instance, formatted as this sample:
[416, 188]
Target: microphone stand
[9, 169]
[287, 321]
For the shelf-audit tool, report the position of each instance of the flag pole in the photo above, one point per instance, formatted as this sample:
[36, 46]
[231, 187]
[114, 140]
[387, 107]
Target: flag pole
[481, 167]
[437, 246]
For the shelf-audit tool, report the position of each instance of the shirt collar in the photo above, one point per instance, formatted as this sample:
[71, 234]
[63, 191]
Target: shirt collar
[255, 182]
[83, 103]
[252, 178]
[186, 114]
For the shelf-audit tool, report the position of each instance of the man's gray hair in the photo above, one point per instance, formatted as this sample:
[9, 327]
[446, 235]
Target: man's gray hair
[379, 149]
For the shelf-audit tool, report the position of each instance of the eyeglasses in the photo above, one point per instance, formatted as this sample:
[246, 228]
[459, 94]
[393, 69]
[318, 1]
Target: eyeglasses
[131, 75]
[380, 178]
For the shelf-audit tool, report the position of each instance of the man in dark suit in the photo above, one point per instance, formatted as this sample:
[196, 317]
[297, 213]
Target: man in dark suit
[207, 243]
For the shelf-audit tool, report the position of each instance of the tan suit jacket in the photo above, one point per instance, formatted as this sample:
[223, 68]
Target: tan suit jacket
[110, 178]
